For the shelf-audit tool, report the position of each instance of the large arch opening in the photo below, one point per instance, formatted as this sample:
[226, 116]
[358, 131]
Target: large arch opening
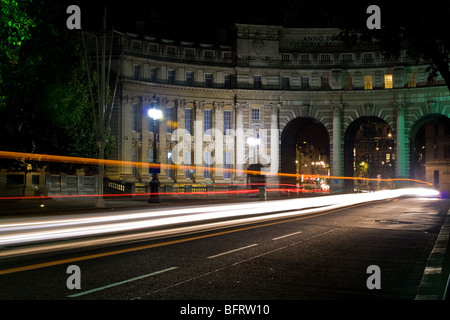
[430, 151]
[368, 153]
[305, 148]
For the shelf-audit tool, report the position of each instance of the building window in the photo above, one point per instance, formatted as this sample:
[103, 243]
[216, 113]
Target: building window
[347, 57]
[207, 165]
[170, 76]
[285, 83]
[187, 162]
[388, 83]
[325, 57]
[187, 119]
[227, 165]
[447, 152]
[134, 117]
[257, 83]
[189, 78]
[324, 82]
[171, 50]
[153, 47]
[134, 159]
[368, 82]
[348, 83]
[136, 72]
[209, 54]
[207, 120]
[227, 122]
[189, 52]
[169, 161]
[153, 74]
[255, 114]
[150, 156]
[227, 81]
[227, 55]
[169, 119]
[412, 80]
[305, 82]
[286, 57]
[367, 57]
[208, 80]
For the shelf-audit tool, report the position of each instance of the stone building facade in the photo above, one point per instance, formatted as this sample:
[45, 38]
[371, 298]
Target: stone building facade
[230, 107]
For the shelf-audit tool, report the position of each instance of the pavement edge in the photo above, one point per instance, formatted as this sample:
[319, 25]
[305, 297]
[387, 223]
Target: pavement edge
[435, 276]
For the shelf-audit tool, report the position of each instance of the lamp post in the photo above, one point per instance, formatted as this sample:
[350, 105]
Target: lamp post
[155, 114]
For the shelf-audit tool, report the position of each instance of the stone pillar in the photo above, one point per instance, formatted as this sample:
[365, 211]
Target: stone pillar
[240, 143]
[400, 160]
[180, 139]
[218, 142]
[125, 144]
[198, 142]
[274, 139]
[336, 184]
[145, 136]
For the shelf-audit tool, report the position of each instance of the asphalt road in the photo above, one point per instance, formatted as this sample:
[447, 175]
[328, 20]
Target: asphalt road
[321, 256]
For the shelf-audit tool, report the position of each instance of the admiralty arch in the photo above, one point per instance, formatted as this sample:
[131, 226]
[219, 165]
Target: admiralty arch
[310, 105]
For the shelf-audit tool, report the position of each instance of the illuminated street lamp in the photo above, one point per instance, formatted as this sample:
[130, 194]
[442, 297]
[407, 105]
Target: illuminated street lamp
[155, 114]
[253, 141]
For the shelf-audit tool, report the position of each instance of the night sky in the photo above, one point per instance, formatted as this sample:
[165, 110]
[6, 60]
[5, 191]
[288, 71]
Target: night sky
[205, 20]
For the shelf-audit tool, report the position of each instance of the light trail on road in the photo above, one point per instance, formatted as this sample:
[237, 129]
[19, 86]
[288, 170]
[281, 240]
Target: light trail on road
[22, 236]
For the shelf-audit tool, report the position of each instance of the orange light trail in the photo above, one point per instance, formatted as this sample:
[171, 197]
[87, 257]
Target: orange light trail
[93, 161]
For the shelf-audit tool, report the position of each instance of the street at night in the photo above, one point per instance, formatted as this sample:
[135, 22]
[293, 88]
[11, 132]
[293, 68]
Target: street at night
[245, 159]
[317, 255]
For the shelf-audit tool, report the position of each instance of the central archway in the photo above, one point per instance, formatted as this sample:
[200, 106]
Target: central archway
[368, 152]
[304, 141]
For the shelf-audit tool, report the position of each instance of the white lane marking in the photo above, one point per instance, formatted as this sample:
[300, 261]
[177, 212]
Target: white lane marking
[231, 251]
[232, 265]
[287, 235]
[120, 283]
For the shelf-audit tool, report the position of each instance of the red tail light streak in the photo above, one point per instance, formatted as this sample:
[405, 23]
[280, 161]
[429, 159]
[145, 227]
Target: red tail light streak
[251, 188]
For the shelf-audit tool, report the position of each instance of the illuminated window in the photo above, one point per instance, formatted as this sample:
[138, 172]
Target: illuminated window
[207, 121]
[169, 123]
[227, 122]
[411, 80]
[368, 82]
[207, 159]
[227, 164]
[187, 120]
[348, 83]
[388, 84]
[255, 114]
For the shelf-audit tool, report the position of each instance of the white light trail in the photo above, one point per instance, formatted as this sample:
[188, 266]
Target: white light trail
[16, 232]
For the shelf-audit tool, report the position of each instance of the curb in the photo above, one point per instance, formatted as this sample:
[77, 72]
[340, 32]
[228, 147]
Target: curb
[433, 277]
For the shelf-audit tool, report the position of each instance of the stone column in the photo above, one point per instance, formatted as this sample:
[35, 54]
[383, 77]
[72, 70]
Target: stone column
[145, 136]
[240, 143]
[336, 185]
[274, 139]
[400, 161]
[198, 142]
[125, 144]
[179, 139]
[218, 142]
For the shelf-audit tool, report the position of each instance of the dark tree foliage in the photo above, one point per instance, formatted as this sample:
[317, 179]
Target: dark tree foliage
[46, 105]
